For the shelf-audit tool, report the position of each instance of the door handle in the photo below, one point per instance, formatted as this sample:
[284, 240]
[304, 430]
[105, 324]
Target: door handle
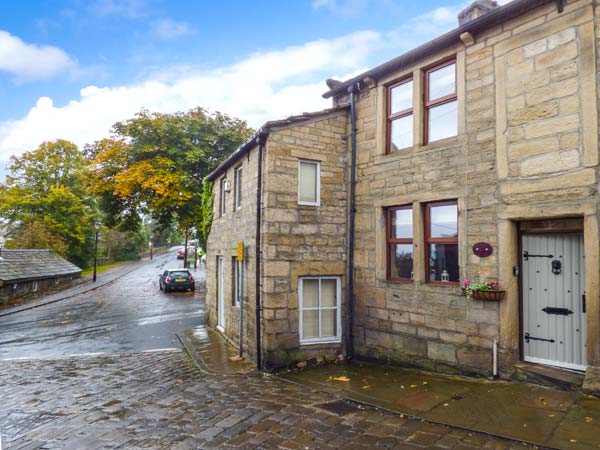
[583, 305]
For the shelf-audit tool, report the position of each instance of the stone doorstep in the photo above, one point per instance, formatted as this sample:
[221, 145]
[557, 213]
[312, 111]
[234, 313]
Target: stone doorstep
[553, 377]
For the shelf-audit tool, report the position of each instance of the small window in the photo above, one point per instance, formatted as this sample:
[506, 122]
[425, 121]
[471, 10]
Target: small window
[238, 283]
[238, 188]
[223, 189]
[309, 184]
[400, 243]
[319, 300]
[34, 288]
[441, 105]
[400, 116]
[441, 242]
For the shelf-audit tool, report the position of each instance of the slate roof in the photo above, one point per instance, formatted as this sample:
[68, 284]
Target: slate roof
[22, 265]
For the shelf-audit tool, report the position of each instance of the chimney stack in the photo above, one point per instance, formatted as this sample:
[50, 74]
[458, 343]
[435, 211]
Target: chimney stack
[476, 9]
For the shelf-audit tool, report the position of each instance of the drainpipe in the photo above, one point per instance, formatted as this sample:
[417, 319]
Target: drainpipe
[261, 141]
[350, 262]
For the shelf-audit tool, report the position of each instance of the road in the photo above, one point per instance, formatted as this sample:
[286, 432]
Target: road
[126, 316]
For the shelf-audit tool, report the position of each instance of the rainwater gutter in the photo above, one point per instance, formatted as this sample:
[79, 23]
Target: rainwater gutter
[352, 90]
[261, 140]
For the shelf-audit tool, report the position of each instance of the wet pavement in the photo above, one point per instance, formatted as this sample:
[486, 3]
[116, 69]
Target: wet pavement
[211, 353]
[538, 415]
[127, 315]
[161, 401]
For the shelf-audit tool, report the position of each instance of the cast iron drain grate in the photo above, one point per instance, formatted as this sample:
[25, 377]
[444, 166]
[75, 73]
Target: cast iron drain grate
[339, 407]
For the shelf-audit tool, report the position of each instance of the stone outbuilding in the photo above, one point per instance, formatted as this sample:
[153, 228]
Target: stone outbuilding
[472, 157]
[26, 273]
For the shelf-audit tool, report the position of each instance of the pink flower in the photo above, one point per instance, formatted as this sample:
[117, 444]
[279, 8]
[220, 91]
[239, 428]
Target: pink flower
[493, 285]
[466, 283]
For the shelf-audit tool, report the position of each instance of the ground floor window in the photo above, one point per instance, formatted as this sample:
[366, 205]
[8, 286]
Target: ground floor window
[320, 312]
[238, 283]
[441, 242]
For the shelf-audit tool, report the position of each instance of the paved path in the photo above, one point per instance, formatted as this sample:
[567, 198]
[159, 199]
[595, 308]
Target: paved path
[161, 401]
[128, 315]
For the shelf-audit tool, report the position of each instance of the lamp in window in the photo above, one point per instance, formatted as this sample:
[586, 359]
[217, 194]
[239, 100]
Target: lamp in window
[445, 275]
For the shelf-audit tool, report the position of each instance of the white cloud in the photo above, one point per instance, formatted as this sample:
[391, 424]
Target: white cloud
[31, 61]
[261, 87]
[171, 29]
[341, 7]
[131, 9]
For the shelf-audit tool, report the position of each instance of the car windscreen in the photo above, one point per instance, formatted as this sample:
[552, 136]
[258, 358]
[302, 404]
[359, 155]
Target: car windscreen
[180, 274]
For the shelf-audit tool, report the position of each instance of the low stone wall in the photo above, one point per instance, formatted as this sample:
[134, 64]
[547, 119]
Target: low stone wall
[13, 293]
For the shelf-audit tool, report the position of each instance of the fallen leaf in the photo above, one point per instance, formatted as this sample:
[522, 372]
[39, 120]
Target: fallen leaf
[572, 441]
[425, 382]
[588, 419]
[366, 387]
[342, 378]
[401, 386]
[413, 385]
[445, 404]
[551, 415]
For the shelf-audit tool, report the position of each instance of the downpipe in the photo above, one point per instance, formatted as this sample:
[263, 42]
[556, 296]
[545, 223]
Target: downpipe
[261, 140]
[352, 90]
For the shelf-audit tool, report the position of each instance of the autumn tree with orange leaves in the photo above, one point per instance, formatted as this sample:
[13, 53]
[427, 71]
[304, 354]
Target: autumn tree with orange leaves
[154, 164]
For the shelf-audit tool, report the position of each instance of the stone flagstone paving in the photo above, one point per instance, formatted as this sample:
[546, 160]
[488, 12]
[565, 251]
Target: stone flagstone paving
[161, 401]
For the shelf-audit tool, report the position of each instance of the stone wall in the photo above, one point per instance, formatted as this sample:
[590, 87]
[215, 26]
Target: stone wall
[527, 148]
[12, 293]
[302, 240]
[233, 227]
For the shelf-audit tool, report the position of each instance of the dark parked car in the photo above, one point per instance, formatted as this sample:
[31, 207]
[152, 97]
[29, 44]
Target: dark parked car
[181, 253]
[176, 280]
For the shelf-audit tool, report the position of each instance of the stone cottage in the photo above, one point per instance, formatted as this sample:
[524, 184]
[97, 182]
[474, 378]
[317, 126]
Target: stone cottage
[26, 273]
[473, 156]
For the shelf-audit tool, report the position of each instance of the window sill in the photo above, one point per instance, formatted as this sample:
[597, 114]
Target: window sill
[308, 204]
[440, 142]
[443, 283]
[321, 342]
[399, 281]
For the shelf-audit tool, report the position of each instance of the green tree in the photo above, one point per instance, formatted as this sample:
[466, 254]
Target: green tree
[45, 203]
[155, 163]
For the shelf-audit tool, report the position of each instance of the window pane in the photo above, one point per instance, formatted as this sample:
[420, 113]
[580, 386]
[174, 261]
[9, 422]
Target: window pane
[401, 133]
[310, 293]
[442, 82]
[308, 182]
[328, 292]
[402, 224]
[310, 324]
[443, 262]
[443, 121]
[401, 97]
[238, 187]
[401, 261]
[443, 221]
[329, 323]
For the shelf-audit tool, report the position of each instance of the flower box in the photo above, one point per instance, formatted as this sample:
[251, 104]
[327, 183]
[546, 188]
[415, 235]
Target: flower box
[490, 295]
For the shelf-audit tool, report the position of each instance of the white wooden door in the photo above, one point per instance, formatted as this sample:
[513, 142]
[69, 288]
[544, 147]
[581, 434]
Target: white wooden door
[220, 295]
[554, 300]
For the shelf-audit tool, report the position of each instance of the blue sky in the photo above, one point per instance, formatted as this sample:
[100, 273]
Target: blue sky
[71, 68]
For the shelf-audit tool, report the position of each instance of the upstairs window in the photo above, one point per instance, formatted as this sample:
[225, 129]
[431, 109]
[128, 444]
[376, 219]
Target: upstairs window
[237, 201]
[222, 190]
[441, 105]
[441, 242]
[400, 116]
[309, 184]
[400, 243]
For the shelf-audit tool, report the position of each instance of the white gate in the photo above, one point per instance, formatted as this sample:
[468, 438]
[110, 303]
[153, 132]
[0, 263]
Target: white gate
[220, 294]
[554, 300]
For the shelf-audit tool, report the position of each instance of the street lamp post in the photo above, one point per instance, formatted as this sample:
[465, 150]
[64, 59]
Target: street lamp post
[97, 226]
[150, 245]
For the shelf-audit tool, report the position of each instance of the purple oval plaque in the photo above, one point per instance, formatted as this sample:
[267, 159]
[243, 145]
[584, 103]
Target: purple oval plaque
[483, 249]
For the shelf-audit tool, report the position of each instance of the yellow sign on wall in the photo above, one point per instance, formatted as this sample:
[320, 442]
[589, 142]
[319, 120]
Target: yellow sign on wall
[240, 252]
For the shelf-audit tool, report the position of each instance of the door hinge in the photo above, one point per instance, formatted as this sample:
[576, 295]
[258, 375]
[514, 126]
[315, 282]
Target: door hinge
[526, 256]
[557, 311]
[528, 338]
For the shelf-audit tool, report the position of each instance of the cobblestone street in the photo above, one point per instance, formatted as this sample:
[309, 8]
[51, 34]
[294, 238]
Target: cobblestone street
[160, 401]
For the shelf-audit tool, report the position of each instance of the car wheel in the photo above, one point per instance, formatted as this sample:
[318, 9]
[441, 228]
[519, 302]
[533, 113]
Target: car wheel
[193, 288]
[166, 288]
[160, 286]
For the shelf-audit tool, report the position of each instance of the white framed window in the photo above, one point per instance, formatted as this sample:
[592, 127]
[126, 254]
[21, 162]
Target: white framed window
[237, 193]
[309, 183]
[222, 190]
[320, 311]
[238, 282]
